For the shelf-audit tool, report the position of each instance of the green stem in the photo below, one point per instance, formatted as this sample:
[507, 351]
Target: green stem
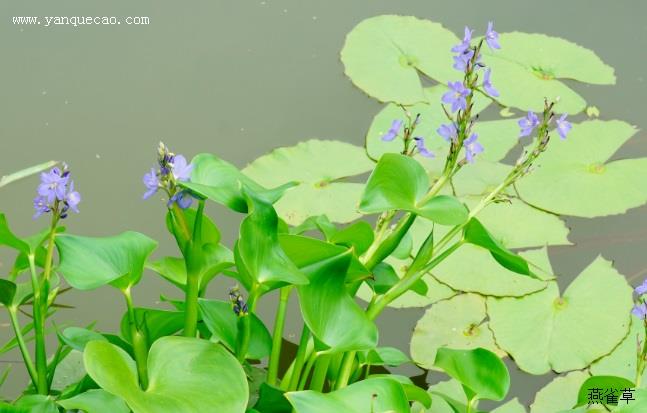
[192, 256]
[391, 241]
[139, 342]
[345, 370]
[247, 325]
[40, 311]
[277, 338]
[23, 346]
[319, 375]
[306, 371]
[299, 360]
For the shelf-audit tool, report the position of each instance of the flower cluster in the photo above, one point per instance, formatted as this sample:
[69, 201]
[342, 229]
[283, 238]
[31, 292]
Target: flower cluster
[56, 193]
[531, 121]
[640, 309]
[419, 141]
[172, 169]
[238, 303]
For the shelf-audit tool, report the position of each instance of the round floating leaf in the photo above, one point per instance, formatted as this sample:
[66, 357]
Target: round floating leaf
[382, 56]
[479, 370]
[553, 57]
[95, 401]
[512, 406]
[371, 395]
[575, 176]
[473, 269]
[88, 263]
[315, 165]
[186, 375]
[561, 333]
[457, 323]
[559, 394]
[622, 361]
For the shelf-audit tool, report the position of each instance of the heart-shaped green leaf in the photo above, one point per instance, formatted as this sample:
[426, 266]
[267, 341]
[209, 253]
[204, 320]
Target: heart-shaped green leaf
[382, 56]
[224, 326]
[479, 370]
[222, 182]
[602, 382]
[400, 182]
[563, 335]
[95, 401]
[344, 325]
[579, 170]
[77, 337]
[458, 323]
[371, 395]
[88, 263]
[186, 375]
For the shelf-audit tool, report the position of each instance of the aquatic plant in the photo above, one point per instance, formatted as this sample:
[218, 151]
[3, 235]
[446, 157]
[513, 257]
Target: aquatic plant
[447, 219]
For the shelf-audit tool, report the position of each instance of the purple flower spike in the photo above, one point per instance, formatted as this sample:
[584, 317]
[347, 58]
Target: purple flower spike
[422, 149]
[472, 147]
[465, 44]
[456, 96]
[392, 133]
[487, 84]
[642, 288]
[462, 60]
[448, 132]
[563, 126]
[181, 168]
[492, 37]
[53, 185]
[640, 311]
[152, 183]
[528, 124]
[72, 199]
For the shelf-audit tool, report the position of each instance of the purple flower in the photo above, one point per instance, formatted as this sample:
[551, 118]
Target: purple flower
[393, 132]
[181, 168]
[472, 147]
[456, 96]
[422, 149]
[487, 84]
[465, 44]
[183, 199]
[640, 311]
[492, 37]
[563, 126]
[72, 199]
[448, 132]
[41, 206]
[53, 185]
[642, 288]
[528, 124]
[152, 183]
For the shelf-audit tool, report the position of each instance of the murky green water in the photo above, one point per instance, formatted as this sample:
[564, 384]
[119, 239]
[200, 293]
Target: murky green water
[239, 78]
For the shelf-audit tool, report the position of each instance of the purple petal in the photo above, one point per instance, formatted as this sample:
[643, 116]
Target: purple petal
[422, 149]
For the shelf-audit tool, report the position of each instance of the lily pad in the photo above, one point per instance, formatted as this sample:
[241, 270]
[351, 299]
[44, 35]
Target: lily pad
[575, 176]
[622, 361]
[317, 166]
[457, 323]
[383, 56]
[558, 332]
[559, 394]
[512, 406]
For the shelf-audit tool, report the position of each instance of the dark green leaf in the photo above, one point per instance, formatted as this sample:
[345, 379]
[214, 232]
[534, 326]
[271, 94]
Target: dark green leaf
[358, 235]
[602, 382]
[7, 292]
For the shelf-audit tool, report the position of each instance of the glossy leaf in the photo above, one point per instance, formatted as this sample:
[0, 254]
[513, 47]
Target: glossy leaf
[383, 356]
[183, 373]
[563, 335]
[358, 235]
[77, 337]
[7, 292]
[579, 170]
[35, 403]
[259, 252]
[479, 370]
[95, 401]
[344, 325]
[383, 55]
[602, 382]
[88, 263]
[153, 323]
[458, 323]
[223, 323]
[9, 239]
[222, 182]
[400, 182]
[376, 394]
